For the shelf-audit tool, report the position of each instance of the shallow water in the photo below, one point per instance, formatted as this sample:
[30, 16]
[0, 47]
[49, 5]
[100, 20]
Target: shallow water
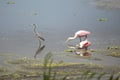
[57, 20]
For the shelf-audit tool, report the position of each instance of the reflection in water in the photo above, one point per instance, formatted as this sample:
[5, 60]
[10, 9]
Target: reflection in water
[76, 49]
[40, 48]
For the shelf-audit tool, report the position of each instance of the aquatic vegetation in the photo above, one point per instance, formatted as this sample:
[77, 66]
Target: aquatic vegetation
[59, 70]
[93, 50]
[20, 61]
[31, 66]
[48, 73]
[95, 66]
[3, 69]
[107, 4]
[11, 2]
[102, 19]
[114, 78]
[87, 75]
[15, 75]
[100, 75]
[115, 54]
[19, 75]
[69, 50]
[6, 55]
[35, 14]
[113, 48]
[85, 57]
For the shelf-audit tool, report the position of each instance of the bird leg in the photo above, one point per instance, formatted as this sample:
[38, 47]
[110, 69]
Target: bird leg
[85, 37]
[80, 39]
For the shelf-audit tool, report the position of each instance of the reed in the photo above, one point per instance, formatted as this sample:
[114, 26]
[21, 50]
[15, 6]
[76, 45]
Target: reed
[49, 74]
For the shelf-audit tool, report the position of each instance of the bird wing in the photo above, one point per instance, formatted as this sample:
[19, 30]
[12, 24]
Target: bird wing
[40, 37]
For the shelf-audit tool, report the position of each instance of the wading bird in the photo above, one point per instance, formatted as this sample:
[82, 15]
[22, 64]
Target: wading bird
[85, 44]
[79, 34]
[81, 48]
[40, 48]
[37, 34]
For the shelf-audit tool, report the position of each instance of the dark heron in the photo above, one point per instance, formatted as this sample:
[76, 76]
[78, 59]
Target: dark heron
[38, 36]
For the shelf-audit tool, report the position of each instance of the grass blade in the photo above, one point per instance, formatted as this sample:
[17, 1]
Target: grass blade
[100, 76]
[65, 77]
[111, 77]
[117, 78]
[84, 75]
[91, 75]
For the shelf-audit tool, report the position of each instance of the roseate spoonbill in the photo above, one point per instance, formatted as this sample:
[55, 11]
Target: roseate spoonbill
[79, 34]
[85, 44]
[77, 50]
[81, 49]
[37, 34]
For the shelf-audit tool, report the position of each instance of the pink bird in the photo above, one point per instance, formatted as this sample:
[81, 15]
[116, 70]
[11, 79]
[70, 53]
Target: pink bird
[79, 34]
[85, 44]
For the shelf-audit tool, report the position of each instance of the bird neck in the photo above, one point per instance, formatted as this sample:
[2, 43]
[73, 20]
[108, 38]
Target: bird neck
[73, 37]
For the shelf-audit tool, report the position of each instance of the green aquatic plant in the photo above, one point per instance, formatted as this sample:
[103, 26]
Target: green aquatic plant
[35, 14]
[47, 67]
[23, 60]
[93, 50]
[87, 75]
[51, 70]
[3, 69]
[48, 73]
[69, 50]
[114, 78]
[11, 2]
[113, 48]
[115, 54]
[103, 19]
[100, 75]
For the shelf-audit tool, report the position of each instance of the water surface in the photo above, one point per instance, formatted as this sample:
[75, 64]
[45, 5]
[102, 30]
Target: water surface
[56, 20]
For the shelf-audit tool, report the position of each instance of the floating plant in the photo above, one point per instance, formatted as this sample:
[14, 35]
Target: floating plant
[102, 19]
[115, 54]
[11, 2]
[3, 69]
[69, 50]
[113, 48]
[23, 60]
